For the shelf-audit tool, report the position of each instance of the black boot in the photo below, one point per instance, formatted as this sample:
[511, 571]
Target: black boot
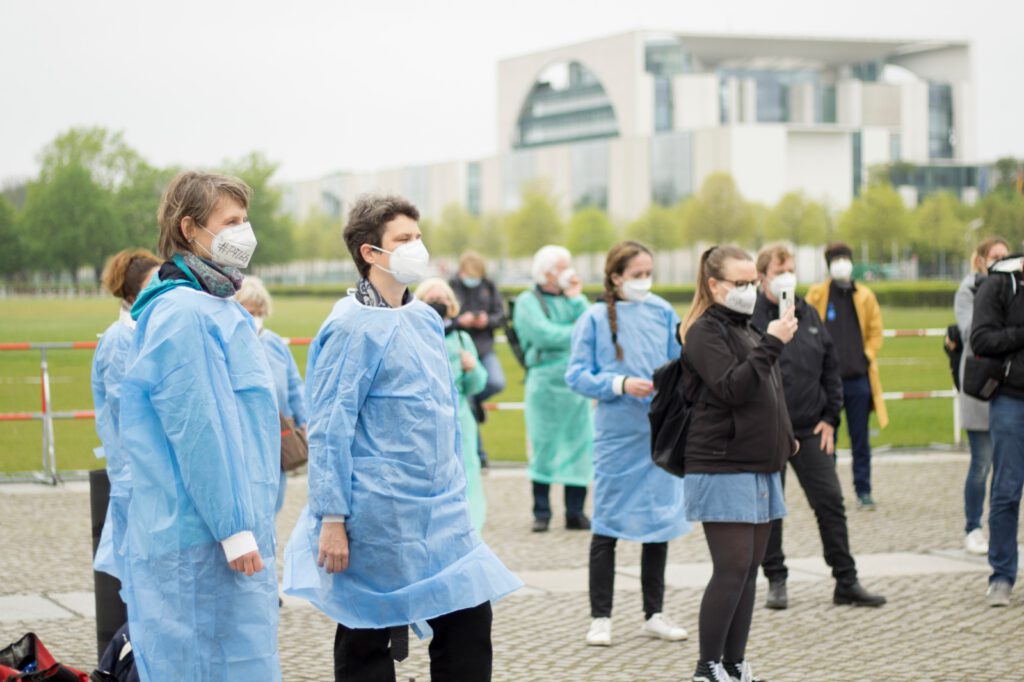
[777, 597]
[580, 522]
[854, 594]
[540, 525]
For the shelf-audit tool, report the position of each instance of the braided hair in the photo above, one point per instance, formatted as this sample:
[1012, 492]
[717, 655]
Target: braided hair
[615, 264]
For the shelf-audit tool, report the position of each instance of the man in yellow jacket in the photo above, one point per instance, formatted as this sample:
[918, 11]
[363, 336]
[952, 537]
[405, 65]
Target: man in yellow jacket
[854, 321]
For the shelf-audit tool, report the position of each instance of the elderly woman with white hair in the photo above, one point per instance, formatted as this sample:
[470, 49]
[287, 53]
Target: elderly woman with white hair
[255, 298]
[559, 422]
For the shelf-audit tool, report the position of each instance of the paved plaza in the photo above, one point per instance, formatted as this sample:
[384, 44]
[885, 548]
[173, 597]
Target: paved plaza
[936, 625]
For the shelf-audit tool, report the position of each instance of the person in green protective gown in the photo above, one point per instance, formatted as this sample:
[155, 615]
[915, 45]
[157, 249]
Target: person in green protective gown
[470, 379]
[559, 422]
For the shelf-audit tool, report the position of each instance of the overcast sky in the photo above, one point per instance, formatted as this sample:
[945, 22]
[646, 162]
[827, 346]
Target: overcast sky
[325, 86]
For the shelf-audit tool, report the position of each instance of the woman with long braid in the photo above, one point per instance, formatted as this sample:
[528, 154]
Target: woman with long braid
[616, 346]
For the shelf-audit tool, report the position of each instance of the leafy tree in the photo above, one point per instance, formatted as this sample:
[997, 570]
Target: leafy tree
[535, 224]
[876, 218]
[798, 220]
[718, 213]
[939, 230]
[12, 255]
[492, 236]
[274, 230]
[657, 228]
[590, 231]
[1003, 213]
[70, 222]
[105, 154]
[136, 203]
[1006, 171]
[319, 237]
[457, 231]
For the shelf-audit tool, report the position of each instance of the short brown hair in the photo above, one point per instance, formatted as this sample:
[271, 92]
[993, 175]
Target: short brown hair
[366, 222]
[837, 250]
[125, 271]
[773, 253]
[194, 194]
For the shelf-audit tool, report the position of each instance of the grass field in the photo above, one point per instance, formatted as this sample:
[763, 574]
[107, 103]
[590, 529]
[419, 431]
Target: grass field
[908, 364]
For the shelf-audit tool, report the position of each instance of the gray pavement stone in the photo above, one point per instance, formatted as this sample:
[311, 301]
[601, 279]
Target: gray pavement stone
[935, 627]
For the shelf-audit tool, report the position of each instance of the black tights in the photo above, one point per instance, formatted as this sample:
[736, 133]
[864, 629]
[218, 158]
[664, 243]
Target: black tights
[737, 550]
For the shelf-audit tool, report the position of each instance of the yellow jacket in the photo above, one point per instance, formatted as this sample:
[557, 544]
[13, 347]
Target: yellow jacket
[869, 315]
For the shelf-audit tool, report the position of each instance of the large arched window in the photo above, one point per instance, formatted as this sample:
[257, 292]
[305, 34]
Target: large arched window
[567, 103]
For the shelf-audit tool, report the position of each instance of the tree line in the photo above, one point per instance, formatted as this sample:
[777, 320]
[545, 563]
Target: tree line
[94, 195]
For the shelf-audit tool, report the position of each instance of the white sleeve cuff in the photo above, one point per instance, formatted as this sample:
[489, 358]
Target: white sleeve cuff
[333, 518]
[619, 384]
[239, 544]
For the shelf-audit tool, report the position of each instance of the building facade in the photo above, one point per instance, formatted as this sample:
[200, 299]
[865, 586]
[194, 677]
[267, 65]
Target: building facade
[643, 117]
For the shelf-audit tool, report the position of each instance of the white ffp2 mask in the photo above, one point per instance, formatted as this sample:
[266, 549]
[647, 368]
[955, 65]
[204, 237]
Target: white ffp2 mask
[636, 290]
[742, 299]
[841, 269]
[233, 246]
[409, 262]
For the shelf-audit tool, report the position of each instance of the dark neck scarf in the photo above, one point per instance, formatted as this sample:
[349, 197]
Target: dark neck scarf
[222, 281]
[368, 295]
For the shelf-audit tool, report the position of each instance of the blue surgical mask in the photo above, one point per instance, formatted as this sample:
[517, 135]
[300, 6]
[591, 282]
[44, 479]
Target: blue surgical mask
[471, 282]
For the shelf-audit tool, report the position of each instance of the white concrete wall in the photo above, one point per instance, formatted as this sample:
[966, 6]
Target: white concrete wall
[490, 185]
[874, 147]
[711, 153]
[820, 163]
[757, 160]
[881, 104]
[618, 63]
[801, 103]
[965, 124]
[695, 101]
[553, 166]
[849, 102]
[629, 170]
[447, 186]
[914, 121]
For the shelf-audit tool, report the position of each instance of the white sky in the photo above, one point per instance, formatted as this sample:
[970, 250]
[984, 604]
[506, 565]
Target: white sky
[323, 86]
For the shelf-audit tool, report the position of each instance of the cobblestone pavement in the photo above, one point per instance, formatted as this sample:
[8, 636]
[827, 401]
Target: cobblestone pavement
[935, 627]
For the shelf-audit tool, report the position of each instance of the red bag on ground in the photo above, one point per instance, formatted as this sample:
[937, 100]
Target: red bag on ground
[27, 660]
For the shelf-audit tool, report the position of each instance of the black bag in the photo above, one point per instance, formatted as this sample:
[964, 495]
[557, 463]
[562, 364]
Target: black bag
[670, 414]
[514, 342]
[983, 376]
[27, 660]
[953, 345]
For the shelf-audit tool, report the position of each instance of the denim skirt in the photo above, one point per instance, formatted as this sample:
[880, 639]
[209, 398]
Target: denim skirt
[734, 498]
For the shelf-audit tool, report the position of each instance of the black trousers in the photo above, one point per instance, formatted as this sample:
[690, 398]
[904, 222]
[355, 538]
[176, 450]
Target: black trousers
[602, 575]
[460, 650]
[575, 496]
[816, 471]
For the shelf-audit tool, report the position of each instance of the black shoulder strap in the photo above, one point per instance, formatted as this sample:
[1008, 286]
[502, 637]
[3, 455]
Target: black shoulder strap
[543, 304]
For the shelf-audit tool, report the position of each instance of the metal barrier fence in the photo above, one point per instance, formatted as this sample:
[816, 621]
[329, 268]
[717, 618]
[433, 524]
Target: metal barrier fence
[47, 415]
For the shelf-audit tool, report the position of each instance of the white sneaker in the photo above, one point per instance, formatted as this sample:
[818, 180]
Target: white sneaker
[600, 632]
[975, 542]
[662, 628]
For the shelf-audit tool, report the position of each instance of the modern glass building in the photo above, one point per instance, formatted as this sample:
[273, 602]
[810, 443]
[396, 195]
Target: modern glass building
[643, 117]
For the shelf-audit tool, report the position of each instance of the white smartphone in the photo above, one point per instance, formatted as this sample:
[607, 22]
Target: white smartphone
[786, 295]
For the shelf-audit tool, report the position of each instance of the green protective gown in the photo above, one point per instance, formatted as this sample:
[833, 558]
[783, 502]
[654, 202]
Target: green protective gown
[559, 422]
[469, 384]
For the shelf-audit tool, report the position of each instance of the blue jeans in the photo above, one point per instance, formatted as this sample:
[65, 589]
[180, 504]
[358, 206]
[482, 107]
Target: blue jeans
[575, 496]
[977, 477]
[1006, 424]
[857, 404]
[495, 384]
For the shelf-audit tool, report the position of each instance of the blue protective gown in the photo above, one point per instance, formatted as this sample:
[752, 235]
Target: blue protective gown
[107, 373]
[633, 498]
[559, 423]
[468, 384]
[200, 425]
[291, 399]
[385, 454]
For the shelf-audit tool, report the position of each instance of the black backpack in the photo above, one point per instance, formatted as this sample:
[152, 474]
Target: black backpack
[953, 345]
[676, 386]
[514, 343]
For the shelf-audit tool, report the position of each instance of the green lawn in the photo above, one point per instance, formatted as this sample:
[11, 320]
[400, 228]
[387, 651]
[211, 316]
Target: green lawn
[906, 364]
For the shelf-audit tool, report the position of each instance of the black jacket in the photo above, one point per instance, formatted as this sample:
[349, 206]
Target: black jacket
[997, 329]
[810, 370]
[483, 298]
[739, 421]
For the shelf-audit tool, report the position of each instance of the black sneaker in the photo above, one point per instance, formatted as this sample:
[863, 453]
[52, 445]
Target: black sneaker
[740, 672]
[580, 522]
[540, 525]
[710, 671]
[777, 597]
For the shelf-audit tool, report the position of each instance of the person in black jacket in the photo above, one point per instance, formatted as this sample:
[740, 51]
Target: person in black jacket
[738, 442]
[483, 311]
[998, 332]
[814, 398]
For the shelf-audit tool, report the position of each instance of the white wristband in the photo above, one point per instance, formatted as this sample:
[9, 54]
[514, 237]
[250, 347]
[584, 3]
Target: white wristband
[239, 544]
[619, 384]
[333, 518]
